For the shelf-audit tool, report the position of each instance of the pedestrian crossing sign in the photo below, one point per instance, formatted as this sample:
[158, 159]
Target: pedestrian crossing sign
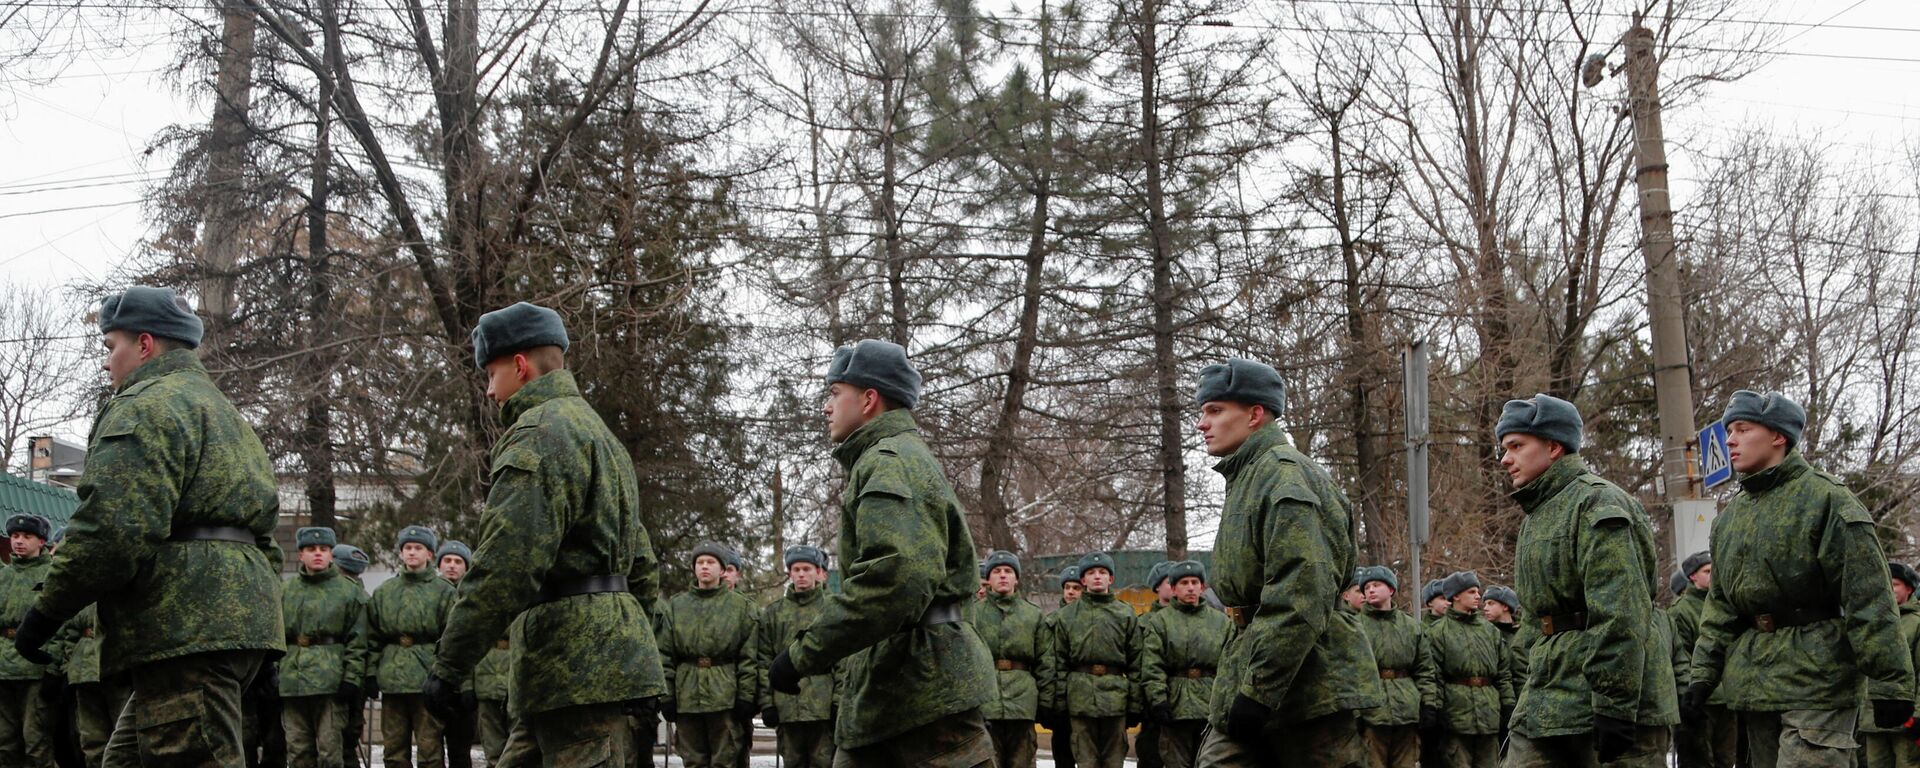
[1715, 467]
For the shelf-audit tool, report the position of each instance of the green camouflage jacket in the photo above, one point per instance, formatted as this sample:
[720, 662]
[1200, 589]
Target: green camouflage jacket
[564, 506]
[1394, 637]
[17, 583]
[1180, 650]
[1519, 644]
[905, 547]
[326, 609]
[1910, 632]
[404, 621]
[167, 453]
[493, 676]
[1096, 630]
[708, 648]
[780, 622]
[1587, 547]
[1470, 679]
[76, 648]
[1011, 628]
[1286, 545]
[1795, 538]
[1678, 656]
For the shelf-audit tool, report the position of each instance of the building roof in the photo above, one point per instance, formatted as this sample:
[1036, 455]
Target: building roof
[18, 494]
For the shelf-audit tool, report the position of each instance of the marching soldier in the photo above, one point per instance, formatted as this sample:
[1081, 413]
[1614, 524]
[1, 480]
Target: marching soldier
[1179, 655]
[1062, 743]
[452, 559]
[404, 622]
[1601, 684]
[26, 736]
[1085, 672]
[714, 684]
[173, 540]
[351, 561]
[1392, 730]
[1891, 747]
[1798, 573]
[803, 722]
[326, 659]
[909, 563]
[1466, 692]
[1146, 746]
[563, 559]
[1300, 669]
[1502, 608]
[1713, 742]
[1011, 627]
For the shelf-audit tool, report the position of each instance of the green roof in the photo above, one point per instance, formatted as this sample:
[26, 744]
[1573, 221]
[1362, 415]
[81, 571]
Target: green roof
[18, 494]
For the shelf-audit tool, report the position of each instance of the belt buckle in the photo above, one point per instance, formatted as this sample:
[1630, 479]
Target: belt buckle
[1003, 665]
[302, 641]
[502, 644]
[1098, 670]
[1764, 622]
[406, 641]
[1546, 626]
[703, 662]
[1193, 673]
[10, 632]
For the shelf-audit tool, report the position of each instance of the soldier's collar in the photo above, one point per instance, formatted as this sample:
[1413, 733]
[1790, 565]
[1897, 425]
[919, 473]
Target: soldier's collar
[1549, 483]
[1267, 436]
[551, 385]
[708, 591]
[805, 597]
[320, 575]
[887, 424]
[1098, 597]
[170, 361]
[1794, 465]
[1468, 617]
[1181, 605]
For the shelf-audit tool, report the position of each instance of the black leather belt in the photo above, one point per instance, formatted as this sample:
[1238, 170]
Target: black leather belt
[304, 641]
[1789, 617]
[589, 585]
[941, 613]
[232, 533]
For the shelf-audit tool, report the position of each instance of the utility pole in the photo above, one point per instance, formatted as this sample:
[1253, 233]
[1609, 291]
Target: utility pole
[1414, 383]
[228, 135]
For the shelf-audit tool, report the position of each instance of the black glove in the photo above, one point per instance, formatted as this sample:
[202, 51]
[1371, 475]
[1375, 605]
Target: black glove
[1247, 719]
[1693, 703]
[442, 698]
[34, 631]
[266, 683]
[645, 709]
[1133, 719]
[1047, 718]
[373, 689]
[1163, 712]
[1891, 713]
[1429, 717]
[1612, 737]
[743, 710]
[771, 716]
[350, 693]
[53, 689]
[781, 676]
[669, 711]
[470, 702]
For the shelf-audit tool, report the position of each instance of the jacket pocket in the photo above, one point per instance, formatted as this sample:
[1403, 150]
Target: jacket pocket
[172, 732]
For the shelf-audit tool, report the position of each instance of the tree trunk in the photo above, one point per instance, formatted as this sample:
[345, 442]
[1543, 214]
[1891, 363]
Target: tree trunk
[1171, 458]
[316, 433]
[227, 209]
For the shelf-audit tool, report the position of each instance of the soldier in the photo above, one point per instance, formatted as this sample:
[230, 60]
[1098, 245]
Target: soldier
[563, 550]
[326, 624]
[1466, 693]
[1433, 601]
[452, 559]
[25, 721]
[1501, 606]
[730, 567]
[1890, 747]
[95, 702]
[1798, 574]
[492, 679]
[1146, 746]
[1011, 627]
[713, 684]
[1084, 674]
[908, 558]
[1392, 729]
[1179, 655]
[803, 722]
[1061, 745]
[1299, 670]
[1070, 585]
[1713, 742]
[351, 562]
[1600, 686]
[404, 621]
[1355, 596]
[1161, 585]
[173, 539]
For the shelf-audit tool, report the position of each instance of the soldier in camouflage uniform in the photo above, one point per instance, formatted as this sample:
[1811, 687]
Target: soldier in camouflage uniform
[1600, 685]
[712, 681]
[491, 683]
[452, 559]
[96, 702]
[1501, 606]
[1086, 672]
[1146, 746]
[1892, 747]
[1071, 588]
[1180, 653]
[173, 539]
[1433, 602]
[404, 621]
[1300, 670]
[1011, 627]
[1466, 693]
[909, 568]
[25, 720]
[803, 722]
[352, 561]
[1355, 597]
[326, 624]
[1713, 742]
[1798, 574]
[563, 549]
[1392, 729]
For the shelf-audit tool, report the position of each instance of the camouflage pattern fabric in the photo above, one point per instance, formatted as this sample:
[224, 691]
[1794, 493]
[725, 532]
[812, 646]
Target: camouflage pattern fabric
[404, 619]
[18, 581]
[1649, 750]
[1469, 679]
[185, 712]
[1394, 637]
[707, 644]
[312, 724]
[1180, 653]
[564, 506]
[1586, 547]
[1795, 538]
[1803, 738]
[905, 547]
[1330, 741]
[492, 676]
[709, 739]
[76, 648]
[169, 453]
[96, 706]
[1286, 544]
[809, 744]
[780, 622]
[326, 610]
[1888, 747]
[1010, 625]
[24, 725]
[958, 740]
[495, 725]
[1091, 661]
[406, 727]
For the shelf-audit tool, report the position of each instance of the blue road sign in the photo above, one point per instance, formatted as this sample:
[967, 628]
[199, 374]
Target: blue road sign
[1715, 467]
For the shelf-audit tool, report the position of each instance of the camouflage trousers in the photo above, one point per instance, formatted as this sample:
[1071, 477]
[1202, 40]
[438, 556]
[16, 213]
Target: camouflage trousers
[24, 725]
[1802, 738]
[520, 750]
[1392, 746]
[494, 726]
[955, 741]
[1013, 743]
[1100, 742]
[806, 744]
[1465, 750]
[1331, 741]
[184, 711]
[1180, 742]
[1712, 744]
[1576, 751]
[587, 736]
[96, 706]
[405, 726]
[709, 739]
[1887, 750]
[312, 725]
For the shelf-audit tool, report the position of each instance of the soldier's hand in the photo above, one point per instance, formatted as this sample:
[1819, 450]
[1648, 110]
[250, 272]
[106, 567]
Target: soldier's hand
[53, 688]
[1163, 712]
[34, 631]
[1429, 717]
[1133, 719]
[1248, 718]
[373, 689]
[781, 676]
[1891, 713]
[669, 711]
[743, 710]
[1693, 703]
[1612, 737]
[350, 693]
[771, 715]
[442, 698]
[645, 709]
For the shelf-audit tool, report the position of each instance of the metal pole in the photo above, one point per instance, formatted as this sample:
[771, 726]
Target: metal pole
[1413, 367]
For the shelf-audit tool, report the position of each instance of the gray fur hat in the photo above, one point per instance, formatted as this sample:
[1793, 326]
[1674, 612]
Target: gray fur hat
[516, 328]
[1543, 416]
[158, 311]
[878, 365]
[1772, 410]
[1239, 380]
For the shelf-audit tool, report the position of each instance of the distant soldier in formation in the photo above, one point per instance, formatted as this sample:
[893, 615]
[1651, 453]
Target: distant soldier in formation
[803, 722]
[1392, 730]
[1300, 669]
[1355, 597]
[908, 568]
[1055, 721]
[1433, 602]
[326, 624]
[492, 680]
[173, 540]
[26, 723]
[405, 618]
[1012, 629]
[1180, 655]
[1713, 742]
[1146, 746]
[352, 561]
[1086, 674]
[1798, 573]
[1466, 692]
[452, 559]
[1601, 683]
[1501, 606]
[713, 681]
[1893, 747]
